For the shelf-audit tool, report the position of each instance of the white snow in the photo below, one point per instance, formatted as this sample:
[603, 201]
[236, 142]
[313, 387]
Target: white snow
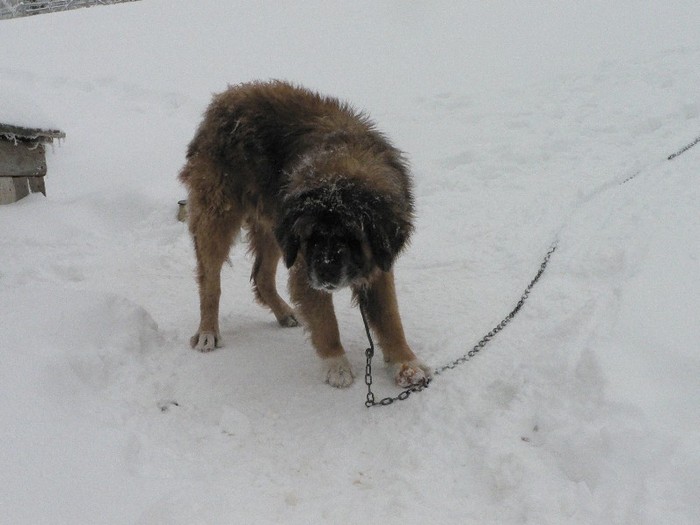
[521, 120]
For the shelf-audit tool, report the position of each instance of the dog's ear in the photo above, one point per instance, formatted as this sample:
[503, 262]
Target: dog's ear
[386, 238]
[288, 239]
[289, 233]
[290, 248]
[379, 244]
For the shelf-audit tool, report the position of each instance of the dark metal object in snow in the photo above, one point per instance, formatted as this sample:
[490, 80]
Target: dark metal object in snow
[18, 8]
[369, 353]
[684, 149]
[165, 405]
[23, 161]
[182, 210]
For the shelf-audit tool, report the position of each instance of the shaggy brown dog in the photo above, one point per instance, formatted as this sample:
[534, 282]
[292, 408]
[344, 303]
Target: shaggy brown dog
[313, 181]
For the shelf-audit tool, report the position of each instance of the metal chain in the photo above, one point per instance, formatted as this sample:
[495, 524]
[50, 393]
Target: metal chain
[684, 149]
[506, 320]
[369, 353]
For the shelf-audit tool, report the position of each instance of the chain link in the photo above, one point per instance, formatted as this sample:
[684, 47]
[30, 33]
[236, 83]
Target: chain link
[369, 353]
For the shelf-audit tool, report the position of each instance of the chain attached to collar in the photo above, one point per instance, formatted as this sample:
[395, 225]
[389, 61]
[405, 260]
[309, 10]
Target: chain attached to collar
[369, 353]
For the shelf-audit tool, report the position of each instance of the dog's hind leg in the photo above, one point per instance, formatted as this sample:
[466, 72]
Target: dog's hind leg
[213, 233]
[267, 255]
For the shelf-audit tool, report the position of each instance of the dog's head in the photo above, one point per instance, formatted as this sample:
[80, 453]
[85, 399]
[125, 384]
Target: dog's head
[343, 232]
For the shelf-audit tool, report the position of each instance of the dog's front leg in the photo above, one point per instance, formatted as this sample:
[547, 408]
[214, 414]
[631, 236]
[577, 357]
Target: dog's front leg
[383, 312]
[316, 310]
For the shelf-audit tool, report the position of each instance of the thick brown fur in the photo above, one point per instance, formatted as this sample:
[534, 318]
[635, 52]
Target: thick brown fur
[312, 181]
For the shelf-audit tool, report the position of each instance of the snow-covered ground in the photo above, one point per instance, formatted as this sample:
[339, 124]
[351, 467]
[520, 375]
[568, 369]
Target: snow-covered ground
[522, 120]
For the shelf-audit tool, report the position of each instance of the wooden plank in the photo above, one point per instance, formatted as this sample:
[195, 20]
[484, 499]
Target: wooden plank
[7, 190]
[13, 189]
[36, 185]
[22, 159]
[21, 187]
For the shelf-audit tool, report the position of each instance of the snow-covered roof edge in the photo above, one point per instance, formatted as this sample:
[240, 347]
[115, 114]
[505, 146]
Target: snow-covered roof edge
[12, 132]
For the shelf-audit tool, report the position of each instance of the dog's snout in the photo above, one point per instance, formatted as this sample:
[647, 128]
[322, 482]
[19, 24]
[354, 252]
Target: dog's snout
[328, 270]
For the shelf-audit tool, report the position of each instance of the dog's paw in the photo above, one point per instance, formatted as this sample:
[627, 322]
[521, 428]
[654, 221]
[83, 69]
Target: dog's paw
[288, 321]
[337, 371]
[412, 373]
[205, 341]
